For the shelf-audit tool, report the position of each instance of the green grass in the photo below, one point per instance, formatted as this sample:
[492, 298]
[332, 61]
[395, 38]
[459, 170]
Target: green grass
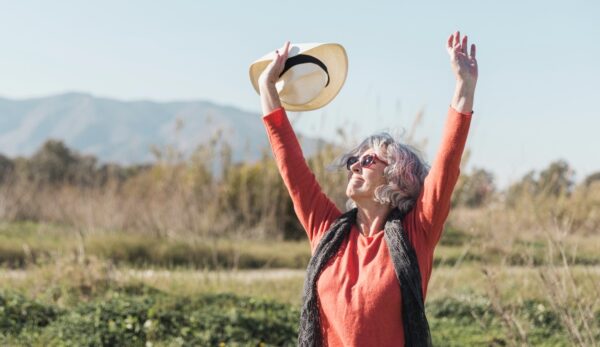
[459, 302]
[137, 314]
[23, 244]
[482, 292]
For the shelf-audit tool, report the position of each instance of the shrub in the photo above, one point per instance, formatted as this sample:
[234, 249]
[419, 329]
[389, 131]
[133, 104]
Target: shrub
[209, 320]
[464, 309]
[135, 315]
[18, 313]
[474, 190]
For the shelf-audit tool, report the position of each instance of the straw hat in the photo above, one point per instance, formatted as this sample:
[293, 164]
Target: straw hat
[313, 75]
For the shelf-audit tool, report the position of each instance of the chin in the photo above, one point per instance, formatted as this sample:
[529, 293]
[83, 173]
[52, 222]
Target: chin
[358, 195]
[354, 192]
[351, 193]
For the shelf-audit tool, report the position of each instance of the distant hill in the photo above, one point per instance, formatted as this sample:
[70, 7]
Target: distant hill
[124, 131]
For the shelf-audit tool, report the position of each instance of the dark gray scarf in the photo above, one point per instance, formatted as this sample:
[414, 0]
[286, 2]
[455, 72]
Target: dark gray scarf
[416, 328]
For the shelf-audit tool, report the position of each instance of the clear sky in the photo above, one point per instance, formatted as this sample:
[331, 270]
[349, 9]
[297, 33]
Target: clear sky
[539, 64]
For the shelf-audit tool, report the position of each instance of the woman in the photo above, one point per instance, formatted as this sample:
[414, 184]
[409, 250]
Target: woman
[367, 279]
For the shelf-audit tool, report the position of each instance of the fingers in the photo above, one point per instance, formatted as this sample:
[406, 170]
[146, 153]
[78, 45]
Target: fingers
[456, 39]
[286, 49]
[455, 43]
[282, 53]
[271, 73]
[449, 44]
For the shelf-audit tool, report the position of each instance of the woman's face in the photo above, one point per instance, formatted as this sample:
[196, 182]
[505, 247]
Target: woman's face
[362, 181]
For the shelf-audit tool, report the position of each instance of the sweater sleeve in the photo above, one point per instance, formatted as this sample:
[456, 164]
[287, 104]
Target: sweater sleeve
[314, 209]
[433, 204]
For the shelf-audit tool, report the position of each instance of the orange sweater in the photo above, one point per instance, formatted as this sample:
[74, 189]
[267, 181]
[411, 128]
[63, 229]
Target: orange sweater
[359, 295]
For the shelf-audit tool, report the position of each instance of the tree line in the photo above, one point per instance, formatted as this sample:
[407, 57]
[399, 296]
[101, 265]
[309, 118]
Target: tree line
[175, 194]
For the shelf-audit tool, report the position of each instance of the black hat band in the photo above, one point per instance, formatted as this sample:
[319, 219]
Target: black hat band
[303, 59]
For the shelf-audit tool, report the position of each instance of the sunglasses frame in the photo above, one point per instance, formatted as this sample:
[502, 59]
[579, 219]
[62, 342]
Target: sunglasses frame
[361, 161]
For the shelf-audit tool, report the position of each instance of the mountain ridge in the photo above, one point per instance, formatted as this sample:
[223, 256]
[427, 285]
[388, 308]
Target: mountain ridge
[124, 131]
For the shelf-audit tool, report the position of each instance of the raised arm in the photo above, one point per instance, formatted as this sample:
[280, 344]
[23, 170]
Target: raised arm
[433, 205]
[314, 210]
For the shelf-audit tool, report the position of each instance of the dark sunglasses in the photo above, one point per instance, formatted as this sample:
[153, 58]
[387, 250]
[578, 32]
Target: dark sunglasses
[365, 162]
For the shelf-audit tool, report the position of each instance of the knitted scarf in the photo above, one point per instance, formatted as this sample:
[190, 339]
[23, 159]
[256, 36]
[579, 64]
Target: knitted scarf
[416, 328]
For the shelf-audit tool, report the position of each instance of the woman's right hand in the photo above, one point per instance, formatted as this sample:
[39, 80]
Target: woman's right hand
[269, 98]
[271, 73]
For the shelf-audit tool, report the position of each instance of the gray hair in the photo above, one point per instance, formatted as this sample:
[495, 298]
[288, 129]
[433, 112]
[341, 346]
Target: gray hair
[405, 173]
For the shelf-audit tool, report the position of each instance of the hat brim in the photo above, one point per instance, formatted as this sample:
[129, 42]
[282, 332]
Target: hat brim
[332, 55]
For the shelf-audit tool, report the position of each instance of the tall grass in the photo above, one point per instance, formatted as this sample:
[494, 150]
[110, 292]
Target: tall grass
[172, 197]
[553, 238]
[515, 255]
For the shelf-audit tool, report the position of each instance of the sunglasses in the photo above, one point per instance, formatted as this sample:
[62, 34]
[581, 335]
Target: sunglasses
[365, 162]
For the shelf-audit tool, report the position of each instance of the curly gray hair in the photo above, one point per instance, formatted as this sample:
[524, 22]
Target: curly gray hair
[405, 173]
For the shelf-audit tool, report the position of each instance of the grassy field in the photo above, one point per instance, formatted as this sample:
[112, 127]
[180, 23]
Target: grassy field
[530, 291]
[466, 306]
[26, 244]
[169, 255]
[524, 273]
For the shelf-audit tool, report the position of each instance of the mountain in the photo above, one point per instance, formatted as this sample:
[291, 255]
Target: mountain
[124, 131]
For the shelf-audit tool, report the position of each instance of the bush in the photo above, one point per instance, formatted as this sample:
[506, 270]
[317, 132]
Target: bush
[470, 320]
[474, 190]
[115, 322]
[136, 316]
[466, 310]
[207, 321]
[18, 313]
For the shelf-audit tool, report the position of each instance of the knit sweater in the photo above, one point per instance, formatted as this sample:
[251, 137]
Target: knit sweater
[359, 295]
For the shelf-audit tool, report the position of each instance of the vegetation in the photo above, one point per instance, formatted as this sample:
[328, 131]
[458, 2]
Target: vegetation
[139, 315]
[188, 252]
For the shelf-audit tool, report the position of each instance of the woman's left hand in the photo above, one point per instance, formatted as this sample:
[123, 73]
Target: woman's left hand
[464, 64]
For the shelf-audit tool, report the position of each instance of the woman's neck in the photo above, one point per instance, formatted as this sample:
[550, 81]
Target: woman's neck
[371, 216]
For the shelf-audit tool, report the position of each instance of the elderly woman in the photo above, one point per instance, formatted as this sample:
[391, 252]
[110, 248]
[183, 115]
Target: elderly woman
[367, 279]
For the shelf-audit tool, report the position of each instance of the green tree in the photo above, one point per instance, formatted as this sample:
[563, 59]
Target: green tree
[474, 190]
[7, 167]
[591, 179]
[556, 179]
[55, 163]
[52, 163]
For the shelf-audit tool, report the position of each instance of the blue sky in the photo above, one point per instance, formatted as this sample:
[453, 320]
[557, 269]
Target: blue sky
[535, 103]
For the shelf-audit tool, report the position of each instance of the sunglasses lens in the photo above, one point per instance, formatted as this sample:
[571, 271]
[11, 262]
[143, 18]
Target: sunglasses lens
[351, 162]
[367, 160]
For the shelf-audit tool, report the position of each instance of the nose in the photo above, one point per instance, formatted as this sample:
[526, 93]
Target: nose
[355, 167]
